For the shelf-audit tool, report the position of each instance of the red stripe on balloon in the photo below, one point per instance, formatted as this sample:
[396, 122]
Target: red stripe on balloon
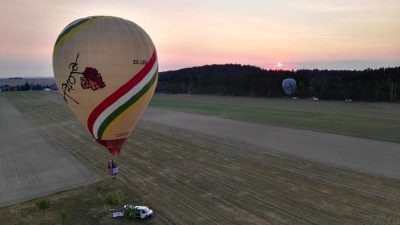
[120, 92]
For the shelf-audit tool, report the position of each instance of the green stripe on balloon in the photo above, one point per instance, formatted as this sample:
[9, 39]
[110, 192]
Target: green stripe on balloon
[123, 107]
[72, 27]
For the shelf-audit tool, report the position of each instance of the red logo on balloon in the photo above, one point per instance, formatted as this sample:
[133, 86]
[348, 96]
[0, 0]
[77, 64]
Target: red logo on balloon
[92, 79]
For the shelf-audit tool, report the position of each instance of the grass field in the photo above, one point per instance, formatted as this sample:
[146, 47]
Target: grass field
[32, 163]
[379, 121]
[193, 178]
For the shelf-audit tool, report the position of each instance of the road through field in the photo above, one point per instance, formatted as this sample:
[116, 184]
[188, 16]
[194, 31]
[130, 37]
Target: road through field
[364, 155]
[31, 163]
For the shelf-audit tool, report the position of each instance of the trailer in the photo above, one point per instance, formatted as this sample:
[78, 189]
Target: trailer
[118, 213]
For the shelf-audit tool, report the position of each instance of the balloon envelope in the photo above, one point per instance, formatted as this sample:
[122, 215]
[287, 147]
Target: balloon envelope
[106, 69]
[289, 86]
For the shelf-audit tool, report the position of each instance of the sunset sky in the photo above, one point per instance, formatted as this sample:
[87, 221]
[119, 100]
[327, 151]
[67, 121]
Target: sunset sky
[334, 34]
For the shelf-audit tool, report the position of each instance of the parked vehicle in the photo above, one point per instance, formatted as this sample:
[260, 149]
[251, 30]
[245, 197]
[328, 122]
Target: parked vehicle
[142, 212]
[348, 100]
[118, 213]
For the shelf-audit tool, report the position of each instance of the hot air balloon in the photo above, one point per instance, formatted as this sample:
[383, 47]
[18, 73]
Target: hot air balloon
[106, 69]
[289, 86]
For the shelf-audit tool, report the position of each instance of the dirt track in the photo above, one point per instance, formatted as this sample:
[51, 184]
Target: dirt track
[364, 155]
[32, 163]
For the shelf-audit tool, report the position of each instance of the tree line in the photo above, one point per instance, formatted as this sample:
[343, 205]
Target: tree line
[27, 87]
[243, 80]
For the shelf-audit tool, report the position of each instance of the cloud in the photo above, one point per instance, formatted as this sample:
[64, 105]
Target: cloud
[343, 6]
[24, 68]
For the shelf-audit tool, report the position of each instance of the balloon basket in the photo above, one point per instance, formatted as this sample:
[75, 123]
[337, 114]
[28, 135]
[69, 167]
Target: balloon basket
[114, 171]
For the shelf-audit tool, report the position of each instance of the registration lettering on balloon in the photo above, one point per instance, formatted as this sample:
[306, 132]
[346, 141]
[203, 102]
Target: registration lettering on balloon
[124, 134]
[139, 61]
[91, 79]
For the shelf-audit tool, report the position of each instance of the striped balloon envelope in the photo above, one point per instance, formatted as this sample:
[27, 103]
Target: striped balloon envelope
[106, 70]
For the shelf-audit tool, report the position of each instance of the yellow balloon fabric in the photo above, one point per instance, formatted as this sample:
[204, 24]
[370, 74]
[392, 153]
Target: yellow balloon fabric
[106, 69]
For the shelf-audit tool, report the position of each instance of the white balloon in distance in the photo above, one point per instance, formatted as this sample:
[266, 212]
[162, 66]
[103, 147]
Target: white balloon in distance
[106, 68]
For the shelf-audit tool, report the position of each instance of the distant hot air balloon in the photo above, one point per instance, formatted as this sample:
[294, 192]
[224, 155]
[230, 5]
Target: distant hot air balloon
[289, 86]
[106, 69]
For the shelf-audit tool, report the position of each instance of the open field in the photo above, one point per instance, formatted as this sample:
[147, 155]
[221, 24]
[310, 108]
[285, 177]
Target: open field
[379, 121]
[190, 177]
[32, 163]
[370, 156]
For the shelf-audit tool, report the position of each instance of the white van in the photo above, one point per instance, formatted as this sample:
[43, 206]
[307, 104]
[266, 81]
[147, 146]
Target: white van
[142, 212]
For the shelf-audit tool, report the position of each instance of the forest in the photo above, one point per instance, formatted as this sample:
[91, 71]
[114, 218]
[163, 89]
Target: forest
[244, 80]
[27, 87]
